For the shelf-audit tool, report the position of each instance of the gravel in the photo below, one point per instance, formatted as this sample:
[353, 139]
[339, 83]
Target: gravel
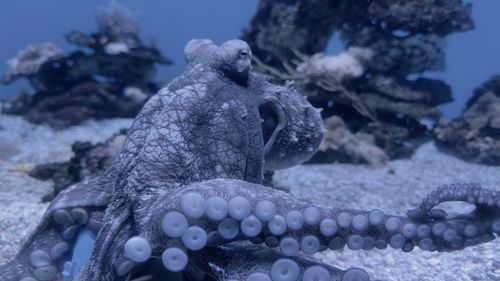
[23, 145]
[398, 186]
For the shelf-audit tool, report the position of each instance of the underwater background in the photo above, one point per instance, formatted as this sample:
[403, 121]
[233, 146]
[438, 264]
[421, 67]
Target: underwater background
[409, 93]
[470, 56]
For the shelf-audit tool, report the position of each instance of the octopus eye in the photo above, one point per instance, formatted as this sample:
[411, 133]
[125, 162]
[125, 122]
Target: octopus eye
[243, 54]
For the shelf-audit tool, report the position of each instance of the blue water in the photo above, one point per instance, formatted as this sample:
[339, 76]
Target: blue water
[471, 57]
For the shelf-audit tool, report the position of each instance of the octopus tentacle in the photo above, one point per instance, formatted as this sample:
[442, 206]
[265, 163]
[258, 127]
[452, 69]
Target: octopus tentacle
[88, 193]
[43, 255]
[40, 260]
[471, 193]
[112, 257]
[216, 212]
[264, 264]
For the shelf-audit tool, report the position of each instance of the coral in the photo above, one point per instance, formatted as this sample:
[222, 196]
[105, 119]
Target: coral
[187, 187]
[114, 79]
[342, 145]
[404, 38]
[475, 136]
[279, 27]
[119, 25]
[401, 56]
[28, 62]
[347, 64]
[415, 99]
[83, 101]
[428, 16]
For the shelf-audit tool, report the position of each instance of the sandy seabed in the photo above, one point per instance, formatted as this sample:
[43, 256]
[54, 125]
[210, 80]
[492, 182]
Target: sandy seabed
[398, 186]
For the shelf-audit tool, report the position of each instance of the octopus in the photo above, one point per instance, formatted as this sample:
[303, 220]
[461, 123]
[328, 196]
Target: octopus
[185, 193]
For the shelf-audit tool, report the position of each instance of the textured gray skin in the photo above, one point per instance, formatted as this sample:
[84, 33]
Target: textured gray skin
[203, 134]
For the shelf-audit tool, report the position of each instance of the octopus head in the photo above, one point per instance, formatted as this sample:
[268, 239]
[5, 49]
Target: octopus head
[198, 49]
[234, 60]
[292, 128]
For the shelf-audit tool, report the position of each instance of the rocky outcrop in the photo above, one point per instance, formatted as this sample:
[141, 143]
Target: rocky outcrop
[89, 160]
[475, 136]
[110, 75]
[341, 145]
[402, 38]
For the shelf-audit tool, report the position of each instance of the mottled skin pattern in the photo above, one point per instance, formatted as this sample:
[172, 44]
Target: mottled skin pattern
[187, 187]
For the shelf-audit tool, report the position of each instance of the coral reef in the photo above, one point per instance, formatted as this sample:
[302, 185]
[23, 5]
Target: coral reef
[109, 76]
[475, 136]
[402, 38]
[186, 187]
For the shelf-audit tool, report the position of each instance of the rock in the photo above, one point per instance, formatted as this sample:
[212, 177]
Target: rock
[113, 79]
[475, 136]
[29, 60]
[369, 92]
[341, 145]
[423, 16]
[89, 160]
[21, 195]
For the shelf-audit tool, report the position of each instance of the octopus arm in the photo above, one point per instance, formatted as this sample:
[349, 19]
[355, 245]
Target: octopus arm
[182, 224]
[43, 254]
[264, 264]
